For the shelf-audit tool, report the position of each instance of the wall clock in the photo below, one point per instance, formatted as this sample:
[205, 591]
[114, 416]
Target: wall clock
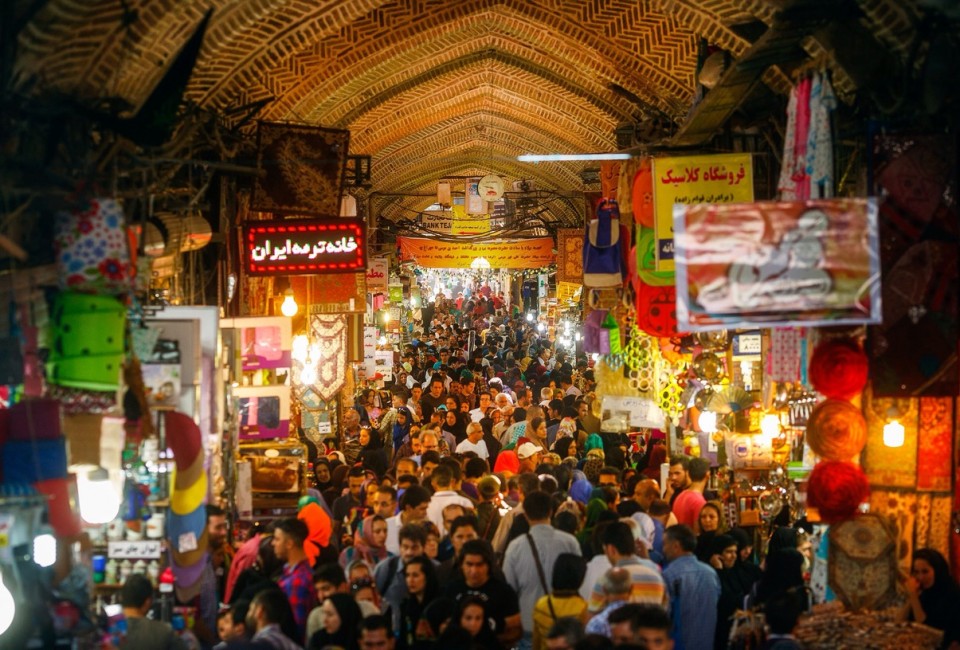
[490, 187]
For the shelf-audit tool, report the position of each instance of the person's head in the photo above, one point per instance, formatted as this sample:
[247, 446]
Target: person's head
[385, 503]
[930, 569]
[351, 419]
[538, 507]
[412, 539]
[321, 471]
[288, 537]
[565, 633]
[711, 517]
[339, 611]
[442, 477]
[783, 570]
[329, 579]
[643, 625]
[357, 570]
[538, 427]
[436, 385]
[486, 401]
[725, 548]
[616, 584]
[609, 477]
[364, 437]
[414, 503]
[137, 593]
[475, 468]
[355, 479]
[378, 531]
[566, 447]
[216, 526]
[476, 562]
[462, 529]
[472, 614]
[428, 462]
[376, 633]
[429, 441]
[449, 513]
[698, 469]
[583, 409]
[678, 476]
[783, 609]
[617, 541]
[417, 391]
[232, 623]
[568, 572]
[645, 492]
[421, 577]
[677, 541]
[474, 432]
[407, 466]
[744, 543]
[450, 419]
[268, 607]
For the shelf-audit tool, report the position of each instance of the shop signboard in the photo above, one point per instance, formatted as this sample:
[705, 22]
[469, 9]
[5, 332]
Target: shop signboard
[305, 246]
[692, 180]
[475, 202]
[455, 221]
[777, 264]
[378, 274]
[532, 253]
[370, 350]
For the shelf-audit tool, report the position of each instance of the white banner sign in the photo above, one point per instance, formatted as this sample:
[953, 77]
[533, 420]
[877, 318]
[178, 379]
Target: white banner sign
[377, 275]
[146, 549]
[641, 411]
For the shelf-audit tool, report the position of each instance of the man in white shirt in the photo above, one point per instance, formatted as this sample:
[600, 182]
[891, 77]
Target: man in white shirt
[474, 441]
[444, 483]
[480, 412]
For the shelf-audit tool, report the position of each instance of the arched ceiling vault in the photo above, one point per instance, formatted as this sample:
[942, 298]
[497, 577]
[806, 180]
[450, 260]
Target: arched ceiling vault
[425, 86]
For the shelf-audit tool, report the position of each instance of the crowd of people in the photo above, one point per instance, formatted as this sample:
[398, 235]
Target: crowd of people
[484, 508]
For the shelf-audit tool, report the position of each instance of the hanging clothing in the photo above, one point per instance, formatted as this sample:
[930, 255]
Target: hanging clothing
[786, 185]
[819, 167]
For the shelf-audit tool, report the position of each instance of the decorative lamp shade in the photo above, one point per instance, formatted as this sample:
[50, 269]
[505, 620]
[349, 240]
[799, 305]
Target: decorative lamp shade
[443, 193]
[836, 489]
[836, 430]
[838, 369]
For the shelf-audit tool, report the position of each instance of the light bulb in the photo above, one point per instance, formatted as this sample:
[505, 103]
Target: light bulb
[289, 308]
[708, 422]
[382, 340]
[45, 550]
[308, 376]
[301, 348]
[541, 327]
[576, 337]
[386, 316]
[893, 434]
[99, 501]
[8, 607]
[770, 425]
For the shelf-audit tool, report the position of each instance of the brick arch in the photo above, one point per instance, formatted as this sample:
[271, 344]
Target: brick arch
[483, 158]
[406, 115]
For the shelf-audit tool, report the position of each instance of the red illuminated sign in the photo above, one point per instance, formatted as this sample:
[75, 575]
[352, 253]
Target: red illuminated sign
[305, 246]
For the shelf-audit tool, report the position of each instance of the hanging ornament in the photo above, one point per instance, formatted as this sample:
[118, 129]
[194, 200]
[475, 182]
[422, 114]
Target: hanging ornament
[708, 367]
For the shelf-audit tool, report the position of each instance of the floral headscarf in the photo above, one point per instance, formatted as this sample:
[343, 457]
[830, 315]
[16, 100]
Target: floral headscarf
[363, 547]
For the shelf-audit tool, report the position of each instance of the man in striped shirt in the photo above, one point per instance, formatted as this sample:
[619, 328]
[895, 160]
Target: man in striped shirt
[646, 583]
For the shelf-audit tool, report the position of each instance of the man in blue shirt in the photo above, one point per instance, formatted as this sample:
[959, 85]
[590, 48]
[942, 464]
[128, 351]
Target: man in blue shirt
[694, 590]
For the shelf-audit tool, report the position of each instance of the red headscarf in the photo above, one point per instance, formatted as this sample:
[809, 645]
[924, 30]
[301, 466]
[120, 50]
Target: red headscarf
[318, 523]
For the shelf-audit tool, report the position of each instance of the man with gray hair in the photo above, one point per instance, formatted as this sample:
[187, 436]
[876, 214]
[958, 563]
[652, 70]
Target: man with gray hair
[616, 585]
[474, 441]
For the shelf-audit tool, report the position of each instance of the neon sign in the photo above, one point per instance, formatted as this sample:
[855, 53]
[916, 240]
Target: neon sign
[305, 246]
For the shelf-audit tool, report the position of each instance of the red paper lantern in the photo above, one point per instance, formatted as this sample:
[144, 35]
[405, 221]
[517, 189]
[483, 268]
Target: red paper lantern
[838, 369]
[836, 489]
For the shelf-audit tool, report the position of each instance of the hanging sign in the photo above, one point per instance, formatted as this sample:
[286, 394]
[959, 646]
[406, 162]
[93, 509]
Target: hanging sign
[305, 246]
[378, 275]
[454, 222]
[723, 178]
[370, 350]
[777, 264]
[475, 202]
[513, 254]
[396, 293]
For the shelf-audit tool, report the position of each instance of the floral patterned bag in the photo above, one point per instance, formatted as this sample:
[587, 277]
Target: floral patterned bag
[92, 248]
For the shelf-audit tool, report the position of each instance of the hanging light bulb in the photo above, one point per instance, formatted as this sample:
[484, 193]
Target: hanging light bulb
[894, 434]
[708, 422]
[770, 425]
[8, 607]
[45, 549]
[529, 317]
[99, 501]
[289, 308]
[301, 348]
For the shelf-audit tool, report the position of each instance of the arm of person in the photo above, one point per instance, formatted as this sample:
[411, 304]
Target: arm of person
[913, 610]
[512, 631]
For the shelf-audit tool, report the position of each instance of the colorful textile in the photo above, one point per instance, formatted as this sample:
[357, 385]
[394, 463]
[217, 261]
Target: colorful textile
[329, 332]
[92, 248]
[935, 453]
[819, 166]
[783, 359]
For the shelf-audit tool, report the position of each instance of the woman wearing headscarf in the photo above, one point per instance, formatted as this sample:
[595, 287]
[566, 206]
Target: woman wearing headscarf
[656, 456]
[735, 584]
[369, 542]
[933, 597]
[373, 456]
[507, 461]
[493, 445]
[783, 572]
[711, 523]
[454, 423]
[580, 489]
[565, 447]
[401, 427]
[422, 588]
[595, 508]
[341, 618]
[317, 545]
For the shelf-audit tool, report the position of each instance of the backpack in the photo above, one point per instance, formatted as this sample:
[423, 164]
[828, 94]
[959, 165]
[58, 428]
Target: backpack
[602, 248]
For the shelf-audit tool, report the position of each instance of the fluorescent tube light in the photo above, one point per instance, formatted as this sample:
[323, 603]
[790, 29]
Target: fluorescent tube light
[563, 157]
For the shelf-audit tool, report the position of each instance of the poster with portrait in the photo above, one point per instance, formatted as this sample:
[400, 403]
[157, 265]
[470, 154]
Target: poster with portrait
[777, 264]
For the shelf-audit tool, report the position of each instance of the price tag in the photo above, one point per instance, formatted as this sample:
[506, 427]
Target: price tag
[146, 550]
[187, 542]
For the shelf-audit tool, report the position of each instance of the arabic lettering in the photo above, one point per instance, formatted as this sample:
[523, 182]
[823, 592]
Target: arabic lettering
[710, 173]
[278, 253]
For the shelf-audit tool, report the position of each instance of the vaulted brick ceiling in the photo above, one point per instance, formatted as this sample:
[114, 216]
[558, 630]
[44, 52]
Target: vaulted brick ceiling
[428, 88]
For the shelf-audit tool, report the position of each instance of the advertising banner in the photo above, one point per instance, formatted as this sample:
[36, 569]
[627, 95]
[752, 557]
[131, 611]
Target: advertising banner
[691, 180]
[305, 246]
[378, 271]
[514, 254]
[455, 222]
[777, 264]
[475, 202]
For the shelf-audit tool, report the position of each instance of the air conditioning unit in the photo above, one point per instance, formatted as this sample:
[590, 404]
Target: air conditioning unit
[523, 186]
